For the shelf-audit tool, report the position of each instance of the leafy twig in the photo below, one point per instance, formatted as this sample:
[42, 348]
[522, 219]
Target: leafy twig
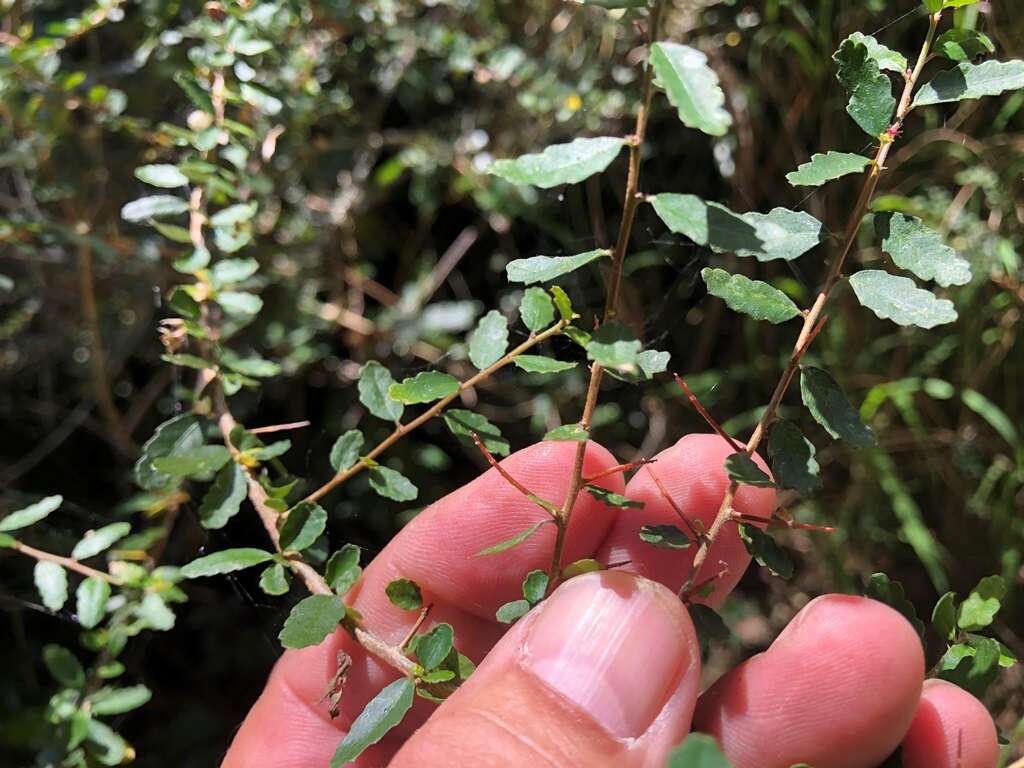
[67, 562]
[813, 318]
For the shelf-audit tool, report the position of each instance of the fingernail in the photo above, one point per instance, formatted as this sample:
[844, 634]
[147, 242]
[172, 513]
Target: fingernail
[613, 644]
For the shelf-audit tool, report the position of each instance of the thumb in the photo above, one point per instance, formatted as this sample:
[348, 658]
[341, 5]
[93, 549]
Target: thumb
[604, 672]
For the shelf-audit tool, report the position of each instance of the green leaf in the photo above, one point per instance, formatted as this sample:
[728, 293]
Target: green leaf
[664, 536]
[535, 586]
[198, 461]
[374, 382]
[91, 601]
[944, 616]
[405, 594]
[691, 86]
[424, 387]
[31, 514]
[225, 561]
[106, 745]
[511, 612]
[972, 668]
[239, 304]
[568, 432]
[743, 469]
[880, 587]
[230, 271]
[268, 452]
[383, 713]
[151, 207]
[52, 582]
[613, 499]
[579, 567]
[515, 541]
[828, 167]
[463, 424]
[166, 176]
[489, 341]
[99, 540]
[274, 580]
[342, 570]
[779, 234]
[698, 751]
[187, 361]
[982, 604]
[311, 621]
[63, 666]
[541, 364]
[537, 309]
[251, 366]
[971, 81]
[155, 614]
[117, 701]
[921, 250]
[541, 269]
[346, 450]
[963, 44]
[764, 549]
[751, 297]
[830, 408]
[233, 215]
[871, 102]
[992, 413]
[932, 6]
[172, 438]
[792, 458]
[560, 163]
[562, 303]
[224, 498]
[614, 346]
[709, 625]
[899, 299]
[433, 647]
[303, 526]
[885, 57]
[392, 484]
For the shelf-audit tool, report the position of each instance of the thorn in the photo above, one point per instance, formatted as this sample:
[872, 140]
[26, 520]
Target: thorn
[698, 535]
[279, 427]
[629, 465]
[544, 504]
[704, 412]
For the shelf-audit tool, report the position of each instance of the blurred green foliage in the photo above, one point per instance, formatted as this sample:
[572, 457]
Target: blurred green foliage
[380, 237]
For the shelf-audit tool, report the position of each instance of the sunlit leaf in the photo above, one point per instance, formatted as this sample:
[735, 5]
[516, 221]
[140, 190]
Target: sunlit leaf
[896, 298]
[405, 594]
[31, 514]
[424, 387]
[346, 450]
[161, 175]
[827, 167]
[225, 561]
[153, 206]
[664, 536]
[392, 484]
[274, 580]
[541, 364]
[972, 81]
[560, 163]
[691, 86]
[52, 582]
[342, 570]
[374, 382]
[102, 538]
[751, 297]
[537, 309]
[698, 751]
[918, 249]
[489, 341]
[963, 44]
[91, 601]
[197, 461]
[224, 498]
[613, 499]
[303, 526]
[613, 345]
[871, 103]
[885, 57]
[982, 604]
[568, 432]
[541, 269]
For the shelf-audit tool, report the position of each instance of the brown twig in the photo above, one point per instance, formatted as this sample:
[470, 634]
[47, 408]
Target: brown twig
[698, 535]
[712, 422]
[623, 468]
[401, 430]
[813, 319]
[631, 200]
[69, 563]
[280, 427]
[548, 507]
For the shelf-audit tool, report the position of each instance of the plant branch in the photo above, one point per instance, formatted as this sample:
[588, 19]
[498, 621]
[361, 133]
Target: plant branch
[401, 430]
[813, 319]
[630, 201]
[548, 507]
[69, 563]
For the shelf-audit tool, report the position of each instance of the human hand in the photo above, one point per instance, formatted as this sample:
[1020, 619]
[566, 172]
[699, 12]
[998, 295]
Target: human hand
[606, 670]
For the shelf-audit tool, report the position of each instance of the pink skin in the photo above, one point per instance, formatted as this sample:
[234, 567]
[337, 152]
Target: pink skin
[289, 726]
[951, 729]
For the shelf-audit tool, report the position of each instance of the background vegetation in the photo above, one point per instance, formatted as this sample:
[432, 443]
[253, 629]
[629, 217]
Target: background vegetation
[380, 237]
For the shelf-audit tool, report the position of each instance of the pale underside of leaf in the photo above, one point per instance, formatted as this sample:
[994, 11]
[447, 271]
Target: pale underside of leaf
[560, 163]
[691, 86]
[900, 300]
[751, 297]
[915, 247]
[972, 81]
[827, 167]
[541, 269]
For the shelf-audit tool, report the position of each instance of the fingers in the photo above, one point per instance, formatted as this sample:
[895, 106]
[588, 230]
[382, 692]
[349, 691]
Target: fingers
[437, 550]
[951, 729]
[605, 672]
[839, 687]
[692, 472]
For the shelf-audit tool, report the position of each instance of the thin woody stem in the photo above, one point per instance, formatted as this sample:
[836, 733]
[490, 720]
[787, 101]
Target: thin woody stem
[813, 319]
[630, 201]
[617, 469]
[401, 430]
[548, 507]
[699, 407]
[67, 562]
